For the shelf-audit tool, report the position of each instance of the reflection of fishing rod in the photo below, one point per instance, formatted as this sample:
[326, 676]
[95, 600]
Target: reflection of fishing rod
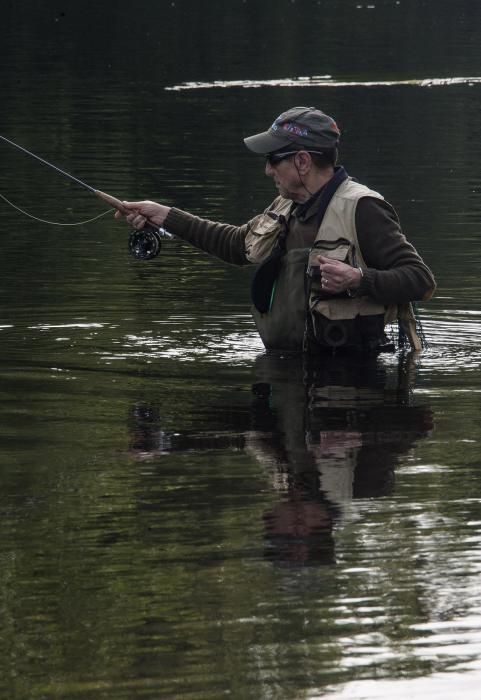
[143, 244]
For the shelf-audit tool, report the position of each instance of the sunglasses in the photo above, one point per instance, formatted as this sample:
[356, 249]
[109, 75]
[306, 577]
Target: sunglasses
[274, 158]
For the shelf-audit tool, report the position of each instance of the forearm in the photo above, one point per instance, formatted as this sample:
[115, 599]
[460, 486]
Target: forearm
[225, 241]
[395, 271]
[408, 282]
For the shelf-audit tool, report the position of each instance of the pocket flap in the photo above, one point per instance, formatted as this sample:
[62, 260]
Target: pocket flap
[337, 250]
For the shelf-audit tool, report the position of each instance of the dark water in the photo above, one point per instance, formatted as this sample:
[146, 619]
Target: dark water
[183, 516]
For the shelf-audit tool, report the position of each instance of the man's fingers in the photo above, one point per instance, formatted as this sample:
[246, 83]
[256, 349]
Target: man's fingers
[137, 220]
[133, 205]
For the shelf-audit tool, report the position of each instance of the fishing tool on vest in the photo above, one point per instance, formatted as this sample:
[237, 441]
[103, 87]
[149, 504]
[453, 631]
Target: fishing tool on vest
[143, 244]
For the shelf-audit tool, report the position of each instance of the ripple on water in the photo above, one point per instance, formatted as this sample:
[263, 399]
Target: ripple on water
[453, 339]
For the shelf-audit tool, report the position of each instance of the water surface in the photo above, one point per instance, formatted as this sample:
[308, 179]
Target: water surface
[184, 516]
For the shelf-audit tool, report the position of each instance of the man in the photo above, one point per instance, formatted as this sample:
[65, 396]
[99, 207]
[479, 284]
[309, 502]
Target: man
[334, 265]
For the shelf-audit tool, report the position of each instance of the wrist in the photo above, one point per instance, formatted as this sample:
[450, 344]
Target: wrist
[160, 216]
[357, 275]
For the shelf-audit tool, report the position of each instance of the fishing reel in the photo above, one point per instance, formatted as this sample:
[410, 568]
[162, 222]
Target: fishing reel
[145, 243]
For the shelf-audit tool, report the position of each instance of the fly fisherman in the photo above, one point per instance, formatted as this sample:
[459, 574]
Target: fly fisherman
[333, 264]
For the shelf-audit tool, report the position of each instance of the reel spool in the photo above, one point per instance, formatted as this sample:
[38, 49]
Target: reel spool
[145, 244]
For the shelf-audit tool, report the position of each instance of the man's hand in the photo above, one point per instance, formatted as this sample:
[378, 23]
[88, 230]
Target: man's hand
[143, 212]
[337, 276]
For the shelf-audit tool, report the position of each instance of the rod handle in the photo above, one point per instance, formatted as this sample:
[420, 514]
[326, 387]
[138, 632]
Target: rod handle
[113, 201]
[117, 204]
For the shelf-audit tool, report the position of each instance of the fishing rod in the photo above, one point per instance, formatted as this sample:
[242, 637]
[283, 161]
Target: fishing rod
[143, 243]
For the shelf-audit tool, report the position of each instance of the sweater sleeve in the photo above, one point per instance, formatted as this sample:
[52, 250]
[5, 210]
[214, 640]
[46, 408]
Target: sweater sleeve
[395, 271]
[224, 241]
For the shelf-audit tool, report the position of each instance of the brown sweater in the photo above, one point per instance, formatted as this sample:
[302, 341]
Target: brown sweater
[396, 273]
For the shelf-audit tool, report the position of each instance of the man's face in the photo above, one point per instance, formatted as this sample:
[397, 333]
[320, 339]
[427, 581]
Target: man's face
[282, 169]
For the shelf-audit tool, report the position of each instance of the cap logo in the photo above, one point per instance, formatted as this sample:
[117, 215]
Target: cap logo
[291, 127]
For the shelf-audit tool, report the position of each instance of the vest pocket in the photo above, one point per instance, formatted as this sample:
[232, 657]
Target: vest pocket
[361, 333]
[261, 238]
[349, 323]
[339, 249]
[264, 232]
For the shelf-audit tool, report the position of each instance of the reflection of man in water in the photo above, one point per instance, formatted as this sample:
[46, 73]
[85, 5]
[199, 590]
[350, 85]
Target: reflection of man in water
[323, 433]
[336, 433]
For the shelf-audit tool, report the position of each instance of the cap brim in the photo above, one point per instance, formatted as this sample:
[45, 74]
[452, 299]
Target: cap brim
[266, 142]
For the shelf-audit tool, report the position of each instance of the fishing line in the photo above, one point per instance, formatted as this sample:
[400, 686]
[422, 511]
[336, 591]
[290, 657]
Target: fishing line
[53, 223]
[143, 244]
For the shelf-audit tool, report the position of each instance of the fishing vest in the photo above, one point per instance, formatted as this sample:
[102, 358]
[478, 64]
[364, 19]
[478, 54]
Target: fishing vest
[301, 316]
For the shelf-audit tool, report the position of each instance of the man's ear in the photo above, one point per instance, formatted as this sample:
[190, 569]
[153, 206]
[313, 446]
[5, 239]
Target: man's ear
[303, 161]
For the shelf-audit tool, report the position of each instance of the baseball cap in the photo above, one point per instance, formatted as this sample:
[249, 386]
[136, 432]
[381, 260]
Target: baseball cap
[305, 127]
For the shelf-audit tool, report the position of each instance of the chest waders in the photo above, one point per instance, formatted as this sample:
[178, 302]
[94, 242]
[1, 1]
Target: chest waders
[290, 308]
